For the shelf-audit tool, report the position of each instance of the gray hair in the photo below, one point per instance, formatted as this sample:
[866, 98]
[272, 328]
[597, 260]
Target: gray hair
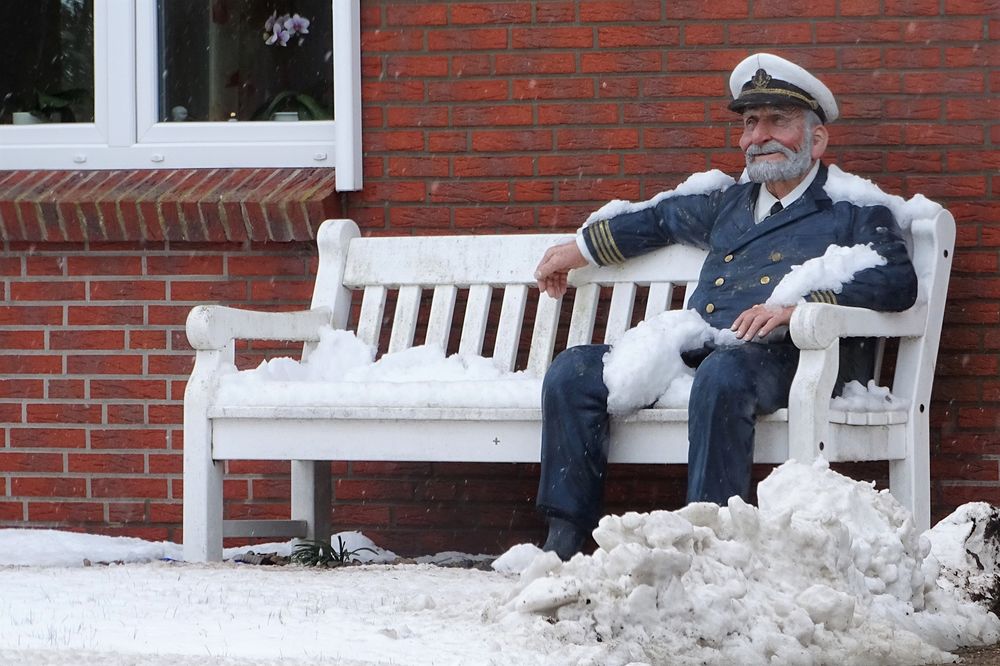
[812, 120]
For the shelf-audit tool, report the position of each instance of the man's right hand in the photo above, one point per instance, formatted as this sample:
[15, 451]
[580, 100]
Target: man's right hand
[555, 266]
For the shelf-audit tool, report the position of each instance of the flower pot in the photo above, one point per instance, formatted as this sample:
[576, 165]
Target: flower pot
[25, 118]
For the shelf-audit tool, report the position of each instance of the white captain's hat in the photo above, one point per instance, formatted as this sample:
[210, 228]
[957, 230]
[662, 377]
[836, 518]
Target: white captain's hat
[769, 80]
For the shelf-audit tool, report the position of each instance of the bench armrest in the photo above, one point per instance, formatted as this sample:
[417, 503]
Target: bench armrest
[819, 325]
[215, 326]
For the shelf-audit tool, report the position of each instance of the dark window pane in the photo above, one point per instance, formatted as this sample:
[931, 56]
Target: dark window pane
[47, 63]
[245, 60]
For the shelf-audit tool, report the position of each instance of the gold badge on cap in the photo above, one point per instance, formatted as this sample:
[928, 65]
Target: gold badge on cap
[761, 79]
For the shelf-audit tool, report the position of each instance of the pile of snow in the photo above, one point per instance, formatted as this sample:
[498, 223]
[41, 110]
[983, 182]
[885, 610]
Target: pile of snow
[340, 371]
[870, 398]
[54, 548]
[697, 183]
[843, 186]
[967, 546]
[839, 186]
[827, 570]
[831, 271]
[644, 366]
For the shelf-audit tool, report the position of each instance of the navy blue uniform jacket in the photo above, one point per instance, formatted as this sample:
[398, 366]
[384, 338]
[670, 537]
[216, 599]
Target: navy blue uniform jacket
[746, 260]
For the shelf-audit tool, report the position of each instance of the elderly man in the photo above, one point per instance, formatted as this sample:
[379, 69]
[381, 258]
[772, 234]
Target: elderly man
[754, 233]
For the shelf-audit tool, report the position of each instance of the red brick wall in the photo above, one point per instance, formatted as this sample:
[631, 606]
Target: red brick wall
[505, 116]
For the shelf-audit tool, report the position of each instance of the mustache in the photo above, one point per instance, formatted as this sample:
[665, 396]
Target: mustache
[770, 147]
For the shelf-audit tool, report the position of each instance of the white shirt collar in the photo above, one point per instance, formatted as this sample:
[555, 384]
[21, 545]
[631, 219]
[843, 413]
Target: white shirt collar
[765, 199]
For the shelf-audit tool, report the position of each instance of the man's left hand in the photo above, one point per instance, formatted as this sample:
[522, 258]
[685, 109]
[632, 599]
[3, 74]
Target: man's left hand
[761, 320]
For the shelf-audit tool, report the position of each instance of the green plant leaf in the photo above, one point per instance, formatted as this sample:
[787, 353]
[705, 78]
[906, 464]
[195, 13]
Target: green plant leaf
[319, 552]
[314, 109]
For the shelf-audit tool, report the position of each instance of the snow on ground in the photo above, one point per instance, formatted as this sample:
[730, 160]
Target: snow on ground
[826, 570]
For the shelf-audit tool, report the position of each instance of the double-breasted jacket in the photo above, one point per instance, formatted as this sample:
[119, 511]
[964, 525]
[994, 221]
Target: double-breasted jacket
[746, 260]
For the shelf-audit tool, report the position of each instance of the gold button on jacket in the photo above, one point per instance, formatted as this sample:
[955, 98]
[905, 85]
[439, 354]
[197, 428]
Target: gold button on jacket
[765, 280]
[720, 281]
[709, 308]
[727, 258]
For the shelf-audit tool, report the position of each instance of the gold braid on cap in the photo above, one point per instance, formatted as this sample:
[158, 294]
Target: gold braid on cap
[762, 80]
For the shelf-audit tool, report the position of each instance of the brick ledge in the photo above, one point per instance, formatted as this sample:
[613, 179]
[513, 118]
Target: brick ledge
[154, 205]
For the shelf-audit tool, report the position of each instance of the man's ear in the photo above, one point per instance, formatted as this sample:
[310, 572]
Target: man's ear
[821, 136]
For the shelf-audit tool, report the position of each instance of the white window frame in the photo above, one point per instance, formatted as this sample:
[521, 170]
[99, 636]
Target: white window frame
[126, 133]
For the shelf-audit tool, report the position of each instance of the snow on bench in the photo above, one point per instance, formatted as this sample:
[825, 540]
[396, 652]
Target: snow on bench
[476, 295]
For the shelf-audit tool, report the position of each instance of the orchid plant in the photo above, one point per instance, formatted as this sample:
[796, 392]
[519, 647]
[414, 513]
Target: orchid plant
[280, 29]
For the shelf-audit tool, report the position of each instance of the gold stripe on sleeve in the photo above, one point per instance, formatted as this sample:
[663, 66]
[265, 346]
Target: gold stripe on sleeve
[595, 239]
[616, 254]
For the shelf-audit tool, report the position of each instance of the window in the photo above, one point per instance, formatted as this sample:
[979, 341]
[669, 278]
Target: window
[110, 84]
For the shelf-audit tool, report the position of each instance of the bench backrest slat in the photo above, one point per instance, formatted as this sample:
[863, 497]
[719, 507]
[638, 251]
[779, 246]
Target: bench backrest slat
[620, 311]
[442, 311]
[543, 335]
[659, 298]
[477, 312]
[370, 320]
[404, 320]
[433, 260]
[688, 291]
[581, 326]
[515, 297]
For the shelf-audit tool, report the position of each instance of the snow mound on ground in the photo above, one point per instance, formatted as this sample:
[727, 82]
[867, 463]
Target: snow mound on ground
[33, 547]
[967, 545]
[827, 570]
[54, 548]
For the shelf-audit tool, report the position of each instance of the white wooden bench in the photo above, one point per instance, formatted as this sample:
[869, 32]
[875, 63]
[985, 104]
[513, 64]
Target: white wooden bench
[471, 269]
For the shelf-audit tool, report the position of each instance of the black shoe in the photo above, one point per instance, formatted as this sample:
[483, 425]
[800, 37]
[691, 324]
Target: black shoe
[565, 538]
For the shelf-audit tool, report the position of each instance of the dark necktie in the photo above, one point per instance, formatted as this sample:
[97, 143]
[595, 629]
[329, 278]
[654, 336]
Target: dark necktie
[775, 208]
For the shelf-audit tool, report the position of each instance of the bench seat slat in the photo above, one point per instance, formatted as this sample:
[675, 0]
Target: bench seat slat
[382, 413]
[511, 437]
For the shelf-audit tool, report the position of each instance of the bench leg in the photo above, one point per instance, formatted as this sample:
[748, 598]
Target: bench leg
[311, 497]
[202, 483]
[202, 505]
[910, 478]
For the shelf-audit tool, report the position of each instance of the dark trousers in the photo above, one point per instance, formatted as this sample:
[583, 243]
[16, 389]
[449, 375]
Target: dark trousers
[732, 386]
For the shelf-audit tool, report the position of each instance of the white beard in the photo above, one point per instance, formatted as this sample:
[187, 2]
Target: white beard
[795, 165]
